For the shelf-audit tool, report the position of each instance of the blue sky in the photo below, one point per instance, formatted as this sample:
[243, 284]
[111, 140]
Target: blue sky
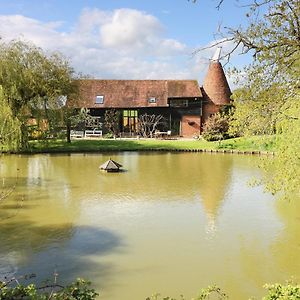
[127, 39]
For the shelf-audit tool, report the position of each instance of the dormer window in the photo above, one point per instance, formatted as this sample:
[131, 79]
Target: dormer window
[152, 100]
[99, 99]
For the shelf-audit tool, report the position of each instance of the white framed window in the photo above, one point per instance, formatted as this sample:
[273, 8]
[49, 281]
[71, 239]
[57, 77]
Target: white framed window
[152, 100]
[99, 99]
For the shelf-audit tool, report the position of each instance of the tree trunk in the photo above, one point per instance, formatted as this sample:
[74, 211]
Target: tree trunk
[24, 137]
[68, 133]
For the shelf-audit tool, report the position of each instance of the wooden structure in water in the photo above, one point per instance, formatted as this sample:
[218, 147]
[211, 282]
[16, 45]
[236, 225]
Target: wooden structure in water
[111, 166]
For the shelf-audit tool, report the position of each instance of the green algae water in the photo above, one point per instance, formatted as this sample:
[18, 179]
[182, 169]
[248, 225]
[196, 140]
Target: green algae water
[170, 223]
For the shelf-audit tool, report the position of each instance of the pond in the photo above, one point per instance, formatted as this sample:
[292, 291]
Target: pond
[172, 223]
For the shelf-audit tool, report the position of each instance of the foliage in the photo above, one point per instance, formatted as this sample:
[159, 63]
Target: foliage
[274, 35]
[108, 136]
[287, 291]
[80, 116]
[216, 127]
[271, 34]
[268, 97]
[79, 290]
[148, 124]
[211, 291]
[33, 82]
[268, 100]
[273, 78]
[257, 107]
[207, 293]
[111, 121]
[9, 126]
[285, 166]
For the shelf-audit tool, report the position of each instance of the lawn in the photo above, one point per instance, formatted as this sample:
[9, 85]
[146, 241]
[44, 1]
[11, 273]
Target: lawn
[266, 143]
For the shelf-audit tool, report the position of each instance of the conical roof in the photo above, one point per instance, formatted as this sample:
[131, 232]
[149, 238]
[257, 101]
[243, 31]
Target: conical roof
[215, 85]
[110, 165]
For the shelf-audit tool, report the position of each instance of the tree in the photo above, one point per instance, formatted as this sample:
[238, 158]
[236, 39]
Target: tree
[72, 118]
[257, 107]
[32, 82]
[9, 126]
[111, 120]
[148, 124]
[268, 99]
[272, 33]
[285, 167]
[216, 127]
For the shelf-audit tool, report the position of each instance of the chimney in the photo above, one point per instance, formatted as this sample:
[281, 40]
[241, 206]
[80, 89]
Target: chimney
[215, 85]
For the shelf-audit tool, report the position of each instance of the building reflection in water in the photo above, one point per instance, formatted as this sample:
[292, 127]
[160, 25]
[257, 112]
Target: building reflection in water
[215, 175]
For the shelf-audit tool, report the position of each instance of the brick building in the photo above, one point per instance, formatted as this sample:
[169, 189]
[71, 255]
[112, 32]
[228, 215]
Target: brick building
[184, 104]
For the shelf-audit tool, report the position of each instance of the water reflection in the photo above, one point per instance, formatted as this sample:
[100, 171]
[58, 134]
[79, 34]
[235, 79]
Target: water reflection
[40, 228]
[22, 239]
[289, 212]
[172, 223]
[215, 175]
[27, 247]
[207, 176]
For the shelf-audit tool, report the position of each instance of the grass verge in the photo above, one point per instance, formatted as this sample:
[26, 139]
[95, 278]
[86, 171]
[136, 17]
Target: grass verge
[256, 143]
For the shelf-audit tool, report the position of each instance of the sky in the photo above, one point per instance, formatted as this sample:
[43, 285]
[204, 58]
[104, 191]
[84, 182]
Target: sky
[126, 39]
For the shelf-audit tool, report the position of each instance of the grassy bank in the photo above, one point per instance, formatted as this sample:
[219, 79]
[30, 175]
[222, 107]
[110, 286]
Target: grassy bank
[266, 143]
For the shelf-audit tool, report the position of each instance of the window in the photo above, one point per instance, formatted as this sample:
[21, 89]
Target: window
[99, 99]
[152, 100]
[179, 103]
[130, 121]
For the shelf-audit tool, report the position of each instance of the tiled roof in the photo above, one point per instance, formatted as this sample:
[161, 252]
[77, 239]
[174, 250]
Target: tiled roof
[215, 85]
[134, 93]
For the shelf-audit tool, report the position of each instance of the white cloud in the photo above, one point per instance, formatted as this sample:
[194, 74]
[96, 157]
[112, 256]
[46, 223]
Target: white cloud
[91, 19]
[130, 28]
[124, 43]
[18, 26]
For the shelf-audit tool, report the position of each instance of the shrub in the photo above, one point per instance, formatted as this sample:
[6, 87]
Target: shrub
[112, 118]
[108, 135]
[216, 127]
[288, 291]
[79, 290]
[282, 291]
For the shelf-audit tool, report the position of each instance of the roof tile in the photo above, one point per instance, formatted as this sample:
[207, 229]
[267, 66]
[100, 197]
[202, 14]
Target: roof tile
[134, 93]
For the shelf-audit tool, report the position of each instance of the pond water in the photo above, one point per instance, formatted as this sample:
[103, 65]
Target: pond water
[172, 223]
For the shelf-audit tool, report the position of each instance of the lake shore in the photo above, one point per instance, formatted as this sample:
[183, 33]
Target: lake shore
[249, 145]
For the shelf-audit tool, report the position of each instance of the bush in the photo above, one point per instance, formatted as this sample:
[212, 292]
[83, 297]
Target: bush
[79, 290]
[289, 291]
[280, 291]
[216, 127]
[112, 118]
[108, 135]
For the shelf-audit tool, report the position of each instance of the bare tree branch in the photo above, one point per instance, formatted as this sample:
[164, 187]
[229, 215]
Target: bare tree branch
[148, 124]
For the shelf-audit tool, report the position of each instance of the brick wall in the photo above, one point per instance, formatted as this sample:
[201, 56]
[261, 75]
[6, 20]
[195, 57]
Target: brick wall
[190, 125]
[207, 110]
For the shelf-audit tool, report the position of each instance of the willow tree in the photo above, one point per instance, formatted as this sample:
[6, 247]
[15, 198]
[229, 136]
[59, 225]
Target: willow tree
[9, 126]
[32, 81]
